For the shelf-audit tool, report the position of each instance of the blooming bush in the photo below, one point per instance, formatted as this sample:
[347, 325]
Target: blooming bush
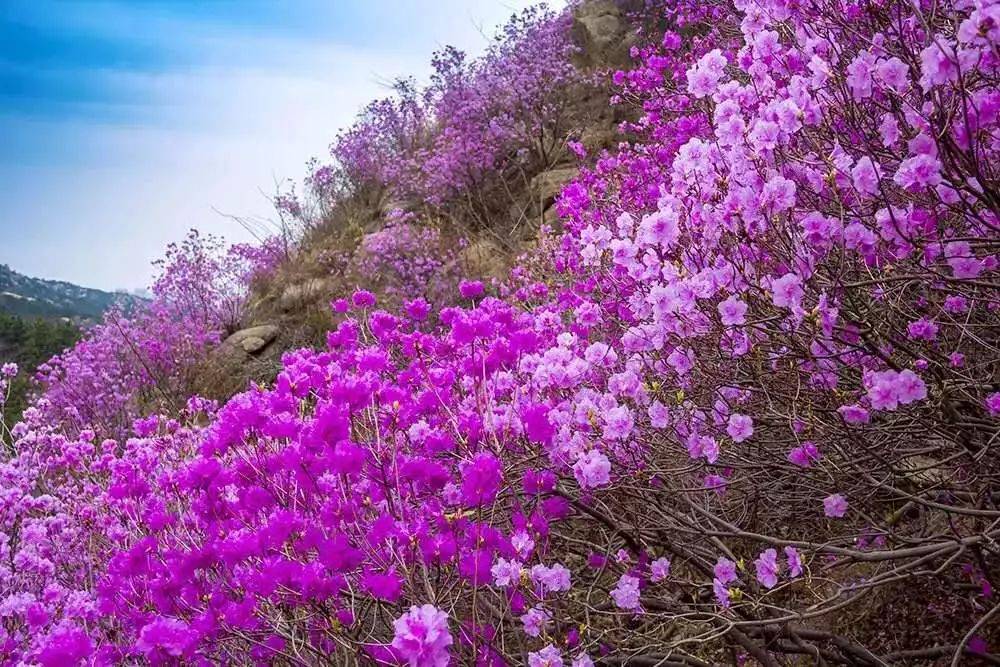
[143, 360]
[478, 128]
[752, 408]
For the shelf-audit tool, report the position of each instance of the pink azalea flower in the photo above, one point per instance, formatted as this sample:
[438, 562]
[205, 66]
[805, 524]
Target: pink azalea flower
[422, 637]
[767, 568]
[626, 593]
[794, 561]
[725, 570]
[592, 470]
[549, 656]
[740, 427]
[660, 569]
[835, 506]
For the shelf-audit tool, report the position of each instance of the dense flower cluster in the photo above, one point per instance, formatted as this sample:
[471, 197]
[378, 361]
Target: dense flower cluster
[477, 122]
[757, 388]
[134, 361]
[405, 260]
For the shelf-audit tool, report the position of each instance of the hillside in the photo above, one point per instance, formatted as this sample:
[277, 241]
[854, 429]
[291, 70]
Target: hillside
[660, 334]
[36, 297]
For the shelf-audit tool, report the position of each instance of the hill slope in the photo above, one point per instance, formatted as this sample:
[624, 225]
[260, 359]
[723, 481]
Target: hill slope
[24, 295]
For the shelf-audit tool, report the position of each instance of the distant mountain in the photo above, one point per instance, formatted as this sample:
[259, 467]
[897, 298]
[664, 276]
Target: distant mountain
[35, 297]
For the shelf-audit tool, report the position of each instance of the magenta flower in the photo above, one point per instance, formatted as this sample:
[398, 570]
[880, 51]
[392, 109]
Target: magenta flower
[481, 480]
[805, 455]
[386, 586]
[470, 289]
[168, 635]
[363, 299]
[69, 645]
[422, 637]
[835, 506]
[740, 427]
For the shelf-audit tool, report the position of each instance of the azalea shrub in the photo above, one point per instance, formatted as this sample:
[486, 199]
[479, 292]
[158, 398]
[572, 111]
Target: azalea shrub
[480, 130]
[744, 410]
[144, 359]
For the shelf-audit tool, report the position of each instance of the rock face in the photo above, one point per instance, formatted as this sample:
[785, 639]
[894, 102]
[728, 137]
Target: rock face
[601, 31]
[254, 339]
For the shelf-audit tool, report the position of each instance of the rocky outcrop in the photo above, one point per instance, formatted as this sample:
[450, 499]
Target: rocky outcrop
[603, 34]
[253, 339]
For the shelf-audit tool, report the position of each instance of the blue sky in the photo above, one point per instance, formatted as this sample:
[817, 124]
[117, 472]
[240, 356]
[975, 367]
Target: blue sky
[123, 123]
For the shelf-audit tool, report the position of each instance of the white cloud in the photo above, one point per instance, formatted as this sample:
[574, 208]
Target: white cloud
[258, 106]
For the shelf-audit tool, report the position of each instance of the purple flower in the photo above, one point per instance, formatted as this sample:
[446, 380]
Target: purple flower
[922, 329]
[854, 414]
[992, 403]
[592, 470]
[549, 656]
[740, 427]
[535, 620]
[794, 561]
[889, 389]
[733, 311]
[626, 593]
[721, 592]
[481, 480]
[918, 172]
[725, 570]
[618, 423]
[553, 579]
[834, 506]
[506, 572]
[767, 568]
[865, 176]
[805, 455]
[786, 291]
[660, 569]
[422, 637]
